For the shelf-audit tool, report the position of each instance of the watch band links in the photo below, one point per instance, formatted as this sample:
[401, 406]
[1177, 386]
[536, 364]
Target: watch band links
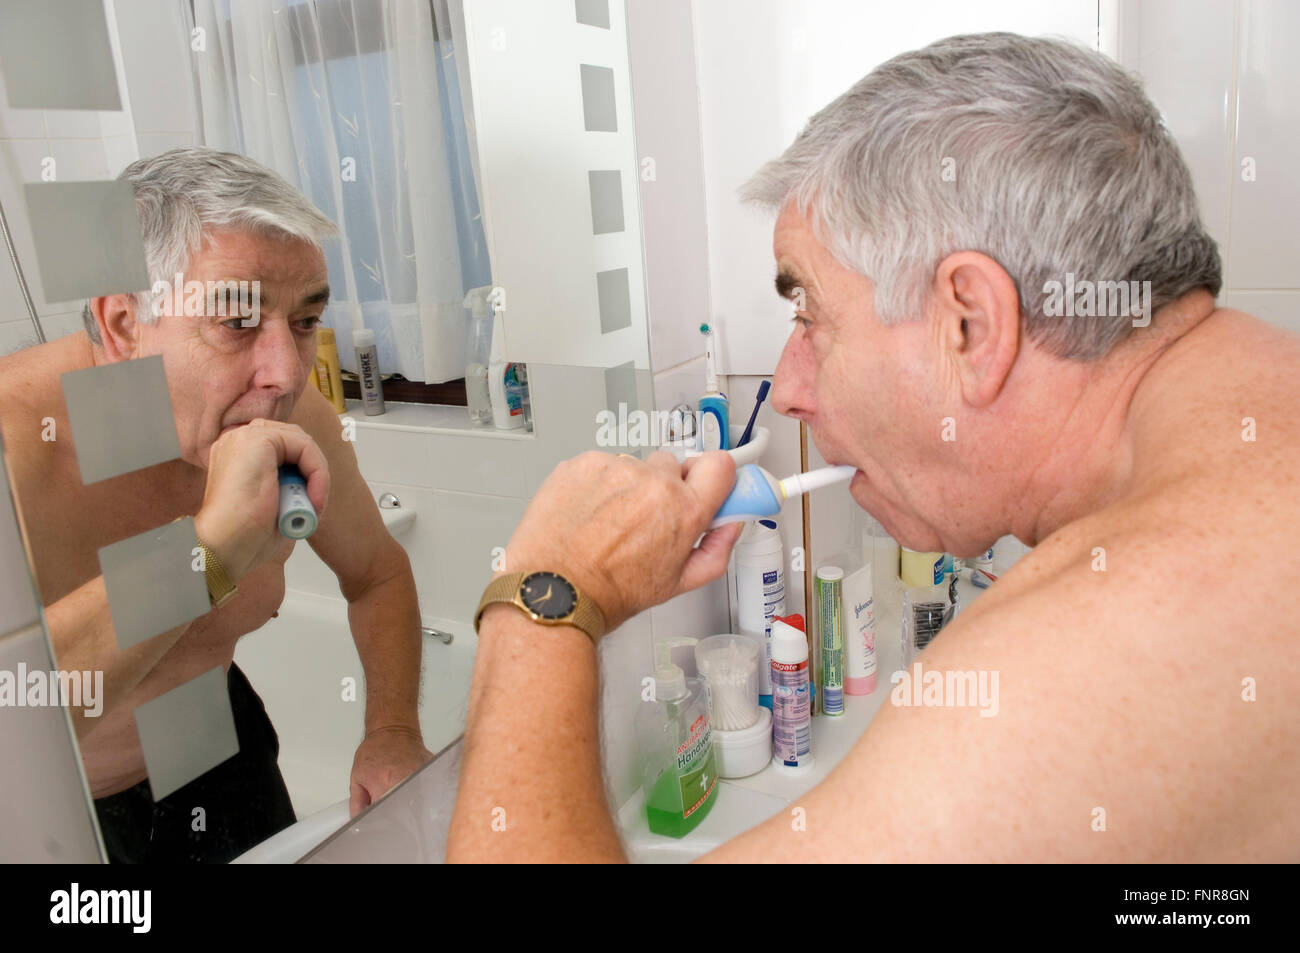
[220, 589]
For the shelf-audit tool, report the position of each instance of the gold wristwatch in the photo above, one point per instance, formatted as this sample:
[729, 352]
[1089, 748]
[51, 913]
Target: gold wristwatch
[220, 589]
[546, 598]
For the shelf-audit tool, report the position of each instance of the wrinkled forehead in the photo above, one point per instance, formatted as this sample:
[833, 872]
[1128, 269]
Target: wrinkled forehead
[267, 256]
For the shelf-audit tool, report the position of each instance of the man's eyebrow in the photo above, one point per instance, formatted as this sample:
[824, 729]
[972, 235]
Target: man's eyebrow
[317, 297]
[786, 283]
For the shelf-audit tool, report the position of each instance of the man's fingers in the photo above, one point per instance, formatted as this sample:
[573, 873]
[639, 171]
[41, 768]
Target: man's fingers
[358, 801]
[296, 447]
[708, 561]
[711, 476]
[663, 460]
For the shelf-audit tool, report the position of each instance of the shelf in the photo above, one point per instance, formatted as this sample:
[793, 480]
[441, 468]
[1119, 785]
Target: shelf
[429, 418]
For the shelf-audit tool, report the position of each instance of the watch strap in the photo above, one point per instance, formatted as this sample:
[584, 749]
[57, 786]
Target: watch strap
[220, 589]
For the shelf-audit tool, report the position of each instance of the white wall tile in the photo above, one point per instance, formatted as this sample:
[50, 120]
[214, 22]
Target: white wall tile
[465, 530]
[156, 61]
[478, 465]
[16, 335]
[661, 49]
[59, 325]
[73, 124]
[119, 152]
[626, 658]
[20, 163]
[19, 123]
[1264, 246]
[11, 298]
[683, 384]
[394, 456]
[1196, 103]
[696, 615]
[79, 160]
[156, 143]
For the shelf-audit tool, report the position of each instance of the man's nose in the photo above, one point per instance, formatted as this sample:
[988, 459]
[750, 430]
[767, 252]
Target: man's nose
[279, 361]
[792, 392]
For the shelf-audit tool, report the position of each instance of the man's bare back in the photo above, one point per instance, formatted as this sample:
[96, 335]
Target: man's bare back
[67, 523]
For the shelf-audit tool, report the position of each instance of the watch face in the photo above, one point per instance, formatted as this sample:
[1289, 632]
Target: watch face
[548, 595]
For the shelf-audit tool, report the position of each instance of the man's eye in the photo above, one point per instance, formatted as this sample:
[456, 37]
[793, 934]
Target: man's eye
[308, 324]
[235, 324]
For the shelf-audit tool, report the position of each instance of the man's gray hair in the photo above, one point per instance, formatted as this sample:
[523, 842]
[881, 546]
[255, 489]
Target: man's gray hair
[1056, 163]
[183, 193]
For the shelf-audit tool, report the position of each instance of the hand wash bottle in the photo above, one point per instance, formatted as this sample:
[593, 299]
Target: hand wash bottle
[676, 744]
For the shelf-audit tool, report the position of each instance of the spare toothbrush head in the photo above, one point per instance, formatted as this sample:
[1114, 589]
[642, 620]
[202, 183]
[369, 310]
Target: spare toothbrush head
[705, 329]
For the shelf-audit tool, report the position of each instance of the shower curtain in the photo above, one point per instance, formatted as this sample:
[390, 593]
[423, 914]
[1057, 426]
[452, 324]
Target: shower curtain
[365, 106]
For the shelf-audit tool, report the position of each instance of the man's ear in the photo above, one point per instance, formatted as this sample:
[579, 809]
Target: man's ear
[119, 331]
[979, 313]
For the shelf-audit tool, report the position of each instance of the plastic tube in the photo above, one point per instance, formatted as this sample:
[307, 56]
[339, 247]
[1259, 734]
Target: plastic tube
[830, 611]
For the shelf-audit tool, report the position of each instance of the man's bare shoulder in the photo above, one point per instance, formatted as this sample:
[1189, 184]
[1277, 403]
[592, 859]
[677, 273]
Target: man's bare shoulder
[314, 414]
[32, 408]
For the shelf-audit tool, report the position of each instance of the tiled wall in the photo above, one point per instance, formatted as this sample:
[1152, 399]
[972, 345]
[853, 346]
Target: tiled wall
[151, 49]
[1225, 76]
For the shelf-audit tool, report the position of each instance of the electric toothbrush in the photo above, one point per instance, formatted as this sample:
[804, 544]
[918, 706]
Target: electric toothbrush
[758, 494]
[715, 428]
[297, 517]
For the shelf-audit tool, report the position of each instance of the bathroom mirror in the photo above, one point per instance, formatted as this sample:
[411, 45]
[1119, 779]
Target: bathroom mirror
[456, 145]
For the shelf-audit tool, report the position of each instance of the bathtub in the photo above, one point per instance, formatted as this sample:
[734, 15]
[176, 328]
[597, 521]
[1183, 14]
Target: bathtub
[298, 662]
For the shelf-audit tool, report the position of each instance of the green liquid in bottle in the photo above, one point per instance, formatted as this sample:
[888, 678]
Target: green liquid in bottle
[664, 807]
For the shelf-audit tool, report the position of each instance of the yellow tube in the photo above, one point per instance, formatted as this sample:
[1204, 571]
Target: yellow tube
[328, 380]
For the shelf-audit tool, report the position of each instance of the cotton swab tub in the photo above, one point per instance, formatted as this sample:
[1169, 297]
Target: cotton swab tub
[730, 664]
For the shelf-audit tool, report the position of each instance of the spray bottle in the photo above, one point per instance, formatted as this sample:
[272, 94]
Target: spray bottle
[791, 697]
[478, 354]
[503, 384]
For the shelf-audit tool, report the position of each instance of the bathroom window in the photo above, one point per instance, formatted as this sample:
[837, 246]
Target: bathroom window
[364, 105]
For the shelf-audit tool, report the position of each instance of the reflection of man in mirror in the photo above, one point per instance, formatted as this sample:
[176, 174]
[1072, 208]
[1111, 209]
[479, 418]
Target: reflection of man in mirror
[242, 407]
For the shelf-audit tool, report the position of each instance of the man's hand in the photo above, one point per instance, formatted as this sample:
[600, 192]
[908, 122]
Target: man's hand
[241, 500]
[387, 757]
[623, 530]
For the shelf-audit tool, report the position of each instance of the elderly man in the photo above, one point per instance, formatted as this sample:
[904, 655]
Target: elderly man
[1148, 653]
[241, 407]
